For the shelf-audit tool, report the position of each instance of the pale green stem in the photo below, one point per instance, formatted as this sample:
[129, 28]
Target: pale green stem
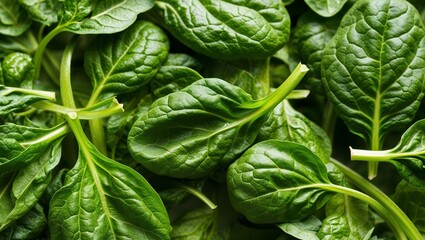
[199, 195]
[409, 228]
[65, 75]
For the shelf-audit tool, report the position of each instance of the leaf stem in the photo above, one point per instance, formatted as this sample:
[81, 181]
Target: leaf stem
[411, 231]
[199, 195]
[40, 50]
[65, 75]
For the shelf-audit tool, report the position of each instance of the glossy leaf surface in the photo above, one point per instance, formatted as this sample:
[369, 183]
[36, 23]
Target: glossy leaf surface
[285, 123]
[126, 61]
[14, 99]
[104, 199]
[373, 68]
[28, 185]
[107, 16]
[45, 12]
[228, 29]
[193, 132]
[276, 181]
[326, 8]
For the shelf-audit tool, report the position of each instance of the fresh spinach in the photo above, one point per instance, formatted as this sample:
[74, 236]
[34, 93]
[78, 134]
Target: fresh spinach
[224, 119]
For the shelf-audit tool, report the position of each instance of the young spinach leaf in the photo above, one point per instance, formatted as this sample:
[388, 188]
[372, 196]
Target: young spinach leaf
[276, 181]
[305, 229]
[126, 61]
[373, 67]
[193, 132]
[18, 70]
[228, 29]
[346, 218]
[45, 12]
[13, 99]
[107, 16]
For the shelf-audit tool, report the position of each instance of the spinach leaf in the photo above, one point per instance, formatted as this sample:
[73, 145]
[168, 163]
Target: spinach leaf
[346, 218]
[107, 16]
[43, 11]
[28, 185]
[230, 29]
[326, 8]
[27, 227]
[373, 67]
[285, 123]
[21, 145]
[125, 61]
[18, 70]
[305, 229]
[193, 132]
[195, 224]
[102, 198]
[13, 18]
[276, 181]
[24, 43]
[410, 198]
[308, 41]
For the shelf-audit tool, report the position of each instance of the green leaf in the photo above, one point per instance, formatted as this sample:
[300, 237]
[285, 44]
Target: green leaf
[106, 16]
[22, 145]
[346, 218]
[104, 199]
[24, 43]
[195, 224]
[175, 74]
[410, 199]
[30, 226]
[18, 70]
[326, 8]
[373, 68]
[194, 132]
[13, 19]
[228, 29]
[285, 123]
[14, 99]
[125, 61]
[309, 39]
[29, 184]
[276, 181]
[43, 11]
[305, 229]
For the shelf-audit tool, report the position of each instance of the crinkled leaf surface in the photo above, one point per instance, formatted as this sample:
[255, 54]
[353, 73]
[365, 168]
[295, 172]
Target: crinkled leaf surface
[410, 199]
[107, 16]
[28, 185]
[374, 66]
[286, 123]
[346, 218]
[326, 8]
[205, 126]
[309, 39]
[18, 70]
[276, 181]
[190, 133]
[43, 11]
[126, 61]
[14, 20]
[20, 145]
[231, 29]
[104, 199]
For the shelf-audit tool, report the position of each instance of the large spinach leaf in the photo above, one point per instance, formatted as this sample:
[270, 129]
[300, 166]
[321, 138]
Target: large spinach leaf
[193, 132]
[228, 29]
[373, 67]
[102, 198]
